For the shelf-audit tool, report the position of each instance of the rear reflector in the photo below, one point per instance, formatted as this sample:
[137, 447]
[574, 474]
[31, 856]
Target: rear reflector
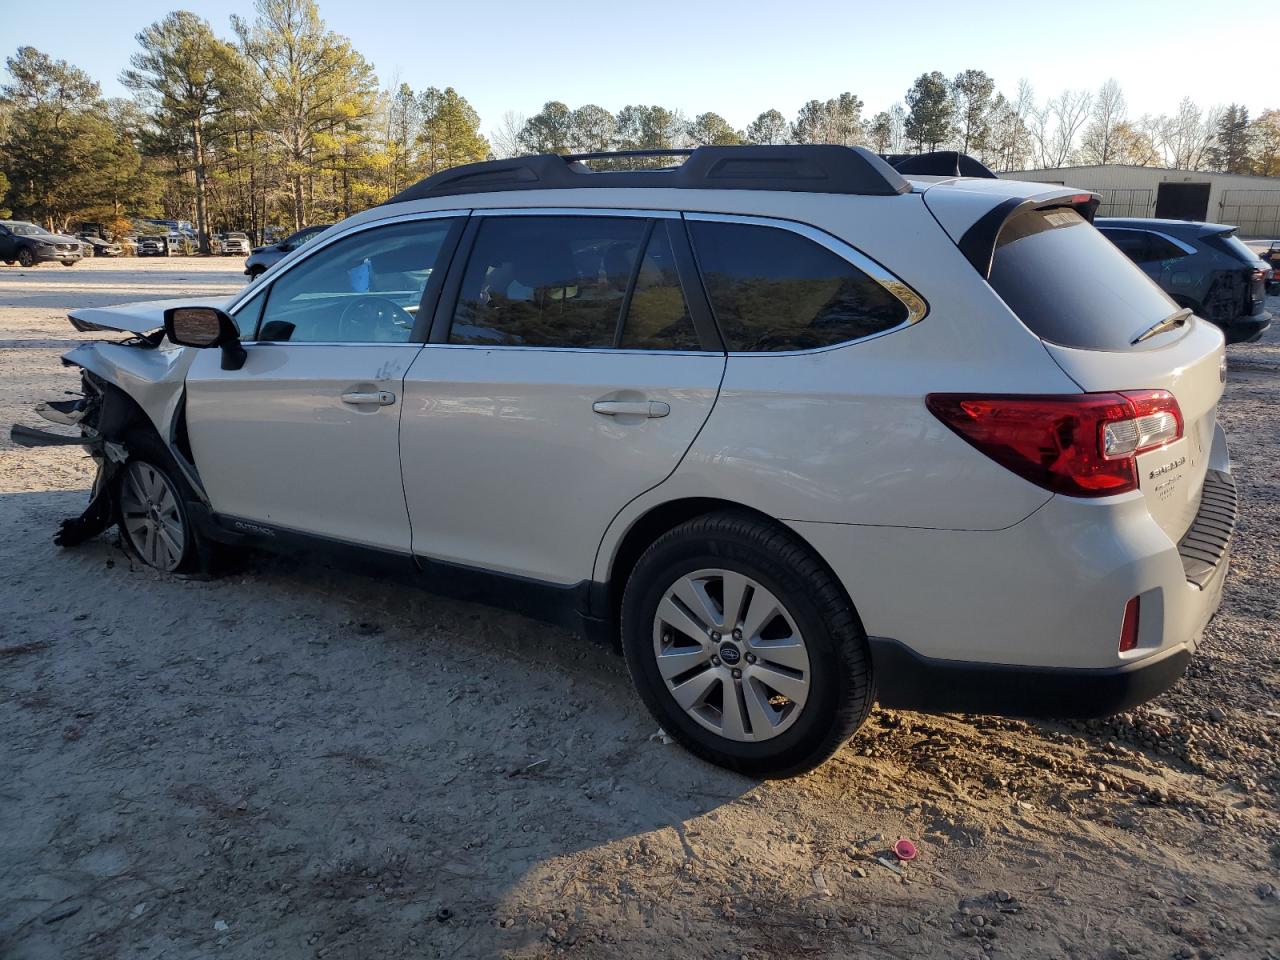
[1082, 445]
[1129, 626]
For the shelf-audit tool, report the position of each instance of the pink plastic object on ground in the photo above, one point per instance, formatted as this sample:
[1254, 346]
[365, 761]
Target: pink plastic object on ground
[905, 850]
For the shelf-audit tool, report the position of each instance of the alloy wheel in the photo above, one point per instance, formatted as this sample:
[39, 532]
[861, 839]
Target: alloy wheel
[152, 518]
[731, 655]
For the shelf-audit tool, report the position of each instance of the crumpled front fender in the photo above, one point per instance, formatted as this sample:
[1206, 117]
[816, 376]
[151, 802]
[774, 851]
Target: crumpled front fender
[153, 378]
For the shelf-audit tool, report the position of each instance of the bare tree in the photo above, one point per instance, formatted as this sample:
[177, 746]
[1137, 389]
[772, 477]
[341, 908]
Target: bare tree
[1185, 138]
[1055, 127]
[1109, 111]
[505, 138]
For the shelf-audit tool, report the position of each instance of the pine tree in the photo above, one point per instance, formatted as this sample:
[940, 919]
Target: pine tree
[931, 109]
[711, 129]
[1230, 151]
[971, 93]
[182, 73]
[450, 131]
[770, 127]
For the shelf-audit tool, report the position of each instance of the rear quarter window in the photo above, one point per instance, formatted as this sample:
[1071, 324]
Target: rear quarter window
[772, 290]
[1070, 285]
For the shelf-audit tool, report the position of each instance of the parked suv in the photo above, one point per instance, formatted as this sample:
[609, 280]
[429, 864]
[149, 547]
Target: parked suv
[1203, 266]
[30, 245]
[155, 245]
[797, 432]
[1268, 251]
[262, 258]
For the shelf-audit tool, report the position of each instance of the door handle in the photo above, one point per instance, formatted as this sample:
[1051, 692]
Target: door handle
[381, 398]
[632, 408]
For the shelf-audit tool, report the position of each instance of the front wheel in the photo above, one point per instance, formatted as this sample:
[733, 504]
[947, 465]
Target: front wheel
[68, 263]
[26, 258]
[744, 647]
[153, 516]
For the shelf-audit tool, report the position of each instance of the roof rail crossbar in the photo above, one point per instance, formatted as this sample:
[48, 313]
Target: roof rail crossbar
[938, 163]
[806, 168]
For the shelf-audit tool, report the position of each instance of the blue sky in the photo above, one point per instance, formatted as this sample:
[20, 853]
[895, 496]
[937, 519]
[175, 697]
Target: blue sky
[735, 58]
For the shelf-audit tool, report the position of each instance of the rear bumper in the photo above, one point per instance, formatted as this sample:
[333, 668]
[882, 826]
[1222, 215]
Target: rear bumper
[1026, 621]
[1247, 329]
[908, 681]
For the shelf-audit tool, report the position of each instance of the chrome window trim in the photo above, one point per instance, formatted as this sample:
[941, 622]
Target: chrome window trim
[916, 306]
[609, 351]
[311, 248]
[1180, 244]
[616, 212]
[332, 343]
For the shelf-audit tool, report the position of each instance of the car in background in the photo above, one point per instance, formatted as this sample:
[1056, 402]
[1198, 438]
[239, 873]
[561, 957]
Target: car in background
[29, 245]
[262, 258]
[1268, 251]
[230, 244]
[97, 247]
[155, 245]
[1203, 266]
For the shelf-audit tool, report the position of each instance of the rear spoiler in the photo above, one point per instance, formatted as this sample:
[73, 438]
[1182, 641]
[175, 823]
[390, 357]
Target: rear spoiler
[980, 241]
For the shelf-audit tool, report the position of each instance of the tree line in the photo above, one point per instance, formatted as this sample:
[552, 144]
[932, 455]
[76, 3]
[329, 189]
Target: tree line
[283, 123]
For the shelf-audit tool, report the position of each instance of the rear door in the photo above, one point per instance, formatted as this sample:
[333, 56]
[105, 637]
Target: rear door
[305, 436]
[569, 372]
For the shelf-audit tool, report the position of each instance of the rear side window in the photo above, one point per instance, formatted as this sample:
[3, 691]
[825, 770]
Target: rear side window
[547, 281]
[1070, 285]
[772, 289]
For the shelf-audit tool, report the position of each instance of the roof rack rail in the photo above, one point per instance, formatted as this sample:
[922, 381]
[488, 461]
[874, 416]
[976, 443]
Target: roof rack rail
[938, 163]
[806, 168]
[626, 154]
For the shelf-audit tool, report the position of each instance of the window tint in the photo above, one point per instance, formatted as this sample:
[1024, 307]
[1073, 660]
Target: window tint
[363, 288]
[772, 289]
[1132, 243]
[658, 318]
[547, 281]
[1071, 286]
[1158, 248]
[1232, 245]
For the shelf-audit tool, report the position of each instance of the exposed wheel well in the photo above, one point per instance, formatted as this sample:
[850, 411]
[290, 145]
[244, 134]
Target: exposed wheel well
[664, 517]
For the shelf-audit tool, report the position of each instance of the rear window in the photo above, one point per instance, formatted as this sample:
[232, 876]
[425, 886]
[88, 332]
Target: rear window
[1070, 285]
[1233, 246]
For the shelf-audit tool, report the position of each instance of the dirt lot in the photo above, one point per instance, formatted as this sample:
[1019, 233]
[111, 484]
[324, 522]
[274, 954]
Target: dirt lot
[294, 762]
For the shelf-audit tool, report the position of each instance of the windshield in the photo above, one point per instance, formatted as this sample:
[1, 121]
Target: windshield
[28, 230]
[1072, 286]
[236, 236]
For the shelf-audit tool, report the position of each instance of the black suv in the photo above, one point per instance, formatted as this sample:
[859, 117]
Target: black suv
[30, 244]
[1204, 266]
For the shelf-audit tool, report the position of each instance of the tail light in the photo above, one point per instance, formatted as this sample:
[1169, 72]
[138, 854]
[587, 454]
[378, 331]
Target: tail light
[1129, 626]
[1257, 275]
[1081, 445]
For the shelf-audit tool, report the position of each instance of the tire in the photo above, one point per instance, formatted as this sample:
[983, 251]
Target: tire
[8, 263]
[69, 263]
[256, 272]
[154, 522]
[826, 688]
[26, 259]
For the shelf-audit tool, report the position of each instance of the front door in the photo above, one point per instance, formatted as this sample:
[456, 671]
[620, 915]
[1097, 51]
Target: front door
[568, 377]
[305, 436]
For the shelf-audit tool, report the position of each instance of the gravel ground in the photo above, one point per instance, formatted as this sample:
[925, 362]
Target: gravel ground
[295, 762]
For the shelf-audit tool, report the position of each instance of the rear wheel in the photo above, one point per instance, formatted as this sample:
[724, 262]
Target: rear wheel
[744, 647]
[256, 272]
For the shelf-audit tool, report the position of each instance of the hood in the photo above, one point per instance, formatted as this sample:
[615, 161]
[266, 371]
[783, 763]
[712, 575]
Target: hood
[137, 317]
[57, 238]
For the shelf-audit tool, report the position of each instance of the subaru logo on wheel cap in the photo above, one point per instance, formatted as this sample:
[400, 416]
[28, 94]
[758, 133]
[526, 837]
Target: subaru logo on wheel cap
[730, 654]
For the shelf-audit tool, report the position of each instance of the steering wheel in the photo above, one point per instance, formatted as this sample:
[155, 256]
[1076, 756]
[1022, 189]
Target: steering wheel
[376, 319]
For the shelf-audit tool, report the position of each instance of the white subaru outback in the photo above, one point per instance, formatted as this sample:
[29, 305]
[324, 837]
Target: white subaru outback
[804, 433]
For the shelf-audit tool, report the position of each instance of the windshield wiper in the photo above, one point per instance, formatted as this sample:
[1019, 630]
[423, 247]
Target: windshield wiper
[1168, 323]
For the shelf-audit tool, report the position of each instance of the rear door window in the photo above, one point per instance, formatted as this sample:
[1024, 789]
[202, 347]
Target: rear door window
[1070, 285]
[658, 315]
[547, 281]
[772, 289]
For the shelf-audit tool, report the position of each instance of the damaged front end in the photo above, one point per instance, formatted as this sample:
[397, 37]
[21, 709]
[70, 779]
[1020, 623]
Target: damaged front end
[129, 389]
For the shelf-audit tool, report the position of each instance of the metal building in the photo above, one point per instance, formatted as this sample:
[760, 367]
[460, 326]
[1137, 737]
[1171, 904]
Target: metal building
[1250, 203]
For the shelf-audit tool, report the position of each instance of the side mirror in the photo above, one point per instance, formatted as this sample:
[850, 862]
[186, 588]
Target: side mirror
[206, 327]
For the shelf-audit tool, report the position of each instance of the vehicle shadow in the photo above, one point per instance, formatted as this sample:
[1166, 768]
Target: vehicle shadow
[318, 756]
